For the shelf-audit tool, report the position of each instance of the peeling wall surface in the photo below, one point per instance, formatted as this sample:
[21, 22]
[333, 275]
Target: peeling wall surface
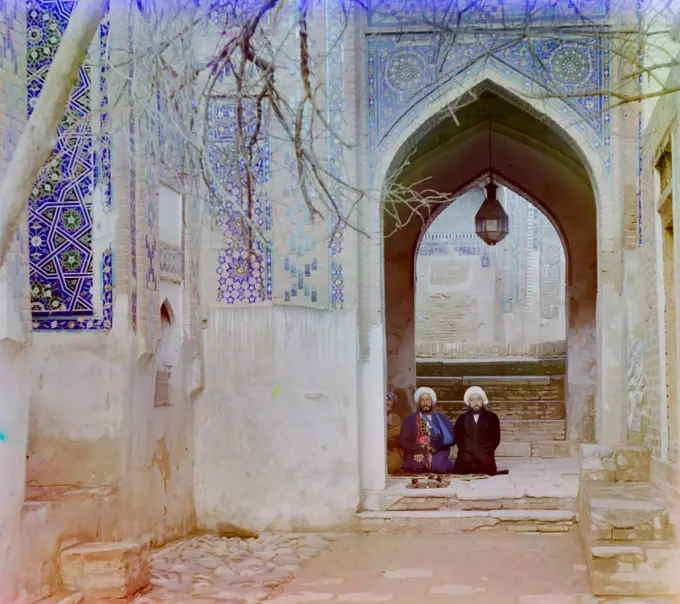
[276, 426]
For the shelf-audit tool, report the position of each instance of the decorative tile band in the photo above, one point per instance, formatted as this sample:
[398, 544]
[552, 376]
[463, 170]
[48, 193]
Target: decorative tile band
[92, 323]
[403, 74]
[335, 95]
[62, 267]
[392, 14]
[244, 271]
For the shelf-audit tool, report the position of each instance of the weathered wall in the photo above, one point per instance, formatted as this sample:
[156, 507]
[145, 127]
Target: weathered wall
[93, 423]
[276, 426]
[14, 308]
[661, 132]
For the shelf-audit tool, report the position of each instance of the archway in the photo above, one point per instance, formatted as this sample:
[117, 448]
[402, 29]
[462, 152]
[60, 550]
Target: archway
[494, 316]
[536, 159]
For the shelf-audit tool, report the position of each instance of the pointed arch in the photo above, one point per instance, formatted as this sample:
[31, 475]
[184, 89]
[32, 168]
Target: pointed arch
[167, 314]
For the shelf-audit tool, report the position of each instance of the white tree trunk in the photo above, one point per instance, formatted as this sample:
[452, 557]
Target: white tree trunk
[35, 146]
[40, 135]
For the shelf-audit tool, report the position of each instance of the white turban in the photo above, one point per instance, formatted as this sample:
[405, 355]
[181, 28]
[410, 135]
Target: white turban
[422, 391]
[475, 390]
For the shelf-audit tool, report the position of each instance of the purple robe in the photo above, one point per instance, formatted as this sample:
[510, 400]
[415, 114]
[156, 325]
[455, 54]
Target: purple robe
[440, 436]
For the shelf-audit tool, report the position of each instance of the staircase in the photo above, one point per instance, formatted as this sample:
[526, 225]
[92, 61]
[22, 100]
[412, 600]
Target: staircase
[625, 524]
[527, 395]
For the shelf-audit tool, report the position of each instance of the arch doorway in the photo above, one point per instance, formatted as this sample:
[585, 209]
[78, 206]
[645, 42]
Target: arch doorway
[535, 159]
[494, 316]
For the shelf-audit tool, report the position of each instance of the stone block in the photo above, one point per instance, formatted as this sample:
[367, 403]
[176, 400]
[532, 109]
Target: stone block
[552, 449]
[634, 571]
[522, 527]
[533, 430]
[597, 463]
[554, 527]
[106, 570]
[633, 464]
[629, 512]
[513, 449]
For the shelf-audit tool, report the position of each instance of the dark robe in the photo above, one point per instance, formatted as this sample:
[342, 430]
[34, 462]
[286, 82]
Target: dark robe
[477, 443]
[438, 450]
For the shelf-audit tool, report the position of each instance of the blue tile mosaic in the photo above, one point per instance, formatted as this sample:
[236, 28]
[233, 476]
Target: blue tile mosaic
[403, 74]
[244, 272]
[62, 267]
[399, 13]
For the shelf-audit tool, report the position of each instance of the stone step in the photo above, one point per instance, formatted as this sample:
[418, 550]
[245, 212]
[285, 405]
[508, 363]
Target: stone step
[498, 389]
[631, 512]
[629, 538]
[640, 569]
[500, 367]
[456, 521]
[510, 409]
[56, 517]
[533, 430]
[543, 449]
[106, 570]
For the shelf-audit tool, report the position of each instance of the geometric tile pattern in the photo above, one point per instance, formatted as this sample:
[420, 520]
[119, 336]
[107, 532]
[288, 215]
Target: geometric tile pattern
[396, 13]
[464, 244]
[299, 265]
[132, 192]
[402, 72]
[551, 273]
[335, 94]
[515, 207]
[244, 271]
[62, 267]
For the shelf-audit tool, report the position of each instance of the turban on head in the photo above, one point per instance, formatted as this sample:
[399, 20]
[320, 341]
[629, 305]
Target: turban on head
[475, 390]
[422, 391]
[392, 397]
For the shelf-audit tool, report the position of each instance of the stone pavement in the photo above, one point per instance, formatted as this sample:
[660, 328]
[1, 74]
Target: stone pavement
[216, 569]
[486, 567]
[535, 478]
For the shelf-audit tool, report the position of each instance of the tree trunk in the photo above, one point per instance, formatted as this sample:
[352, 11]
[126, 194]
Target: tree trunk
[39, 138]
[36, 144]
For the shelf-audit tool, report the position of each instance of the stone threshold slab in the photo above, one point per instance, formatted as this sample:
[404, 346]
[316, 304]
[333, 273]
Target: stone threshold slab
[502, 515]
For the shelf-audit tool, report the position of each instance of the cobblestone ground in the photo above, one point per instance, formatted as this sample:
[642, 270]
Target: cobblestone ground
[215, 569]
[490, 567]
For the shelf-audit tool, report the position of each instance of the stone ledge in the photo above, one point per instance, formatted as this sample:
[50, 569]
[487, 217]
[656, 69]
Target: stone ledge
[527, 521]
[57, 517]
[106, 570]
[628, 512]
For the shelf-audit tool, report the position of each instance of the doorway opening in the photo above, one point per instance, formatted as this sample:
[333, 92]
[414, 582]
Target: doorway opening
[495, 317]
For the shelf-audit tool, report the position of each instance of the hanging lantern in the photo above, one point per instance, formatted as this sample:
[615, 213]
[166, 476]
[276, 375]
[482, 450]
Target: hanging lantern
[491, 222]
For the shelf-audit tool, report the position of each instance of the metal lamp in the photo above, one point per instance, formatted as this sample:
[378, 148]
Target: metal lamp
[491, 222]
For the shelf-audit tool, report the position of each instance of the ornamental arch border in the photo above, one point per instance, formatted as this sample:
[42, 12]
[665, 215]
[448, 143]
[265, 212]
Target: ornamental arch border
[413, 124]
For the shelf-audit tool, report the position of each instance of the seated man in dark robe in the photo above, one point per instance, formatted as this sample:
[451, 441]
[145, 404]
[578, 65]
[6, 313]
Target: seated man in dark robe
[477, 433]
[426, 437]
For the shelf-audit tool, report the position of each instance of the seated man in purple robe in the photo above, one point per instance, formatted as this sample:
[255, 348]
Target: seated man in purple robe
[478, 434]
[426, 437]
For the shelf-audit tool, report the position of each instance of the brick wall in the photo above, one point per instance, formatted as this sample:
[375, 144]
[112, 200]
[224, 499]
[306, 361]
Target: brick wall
[655, 137]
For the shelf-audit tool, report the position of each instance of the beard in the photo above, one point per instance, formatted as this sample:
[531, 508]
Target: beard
[477, 409]
[427, 408]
